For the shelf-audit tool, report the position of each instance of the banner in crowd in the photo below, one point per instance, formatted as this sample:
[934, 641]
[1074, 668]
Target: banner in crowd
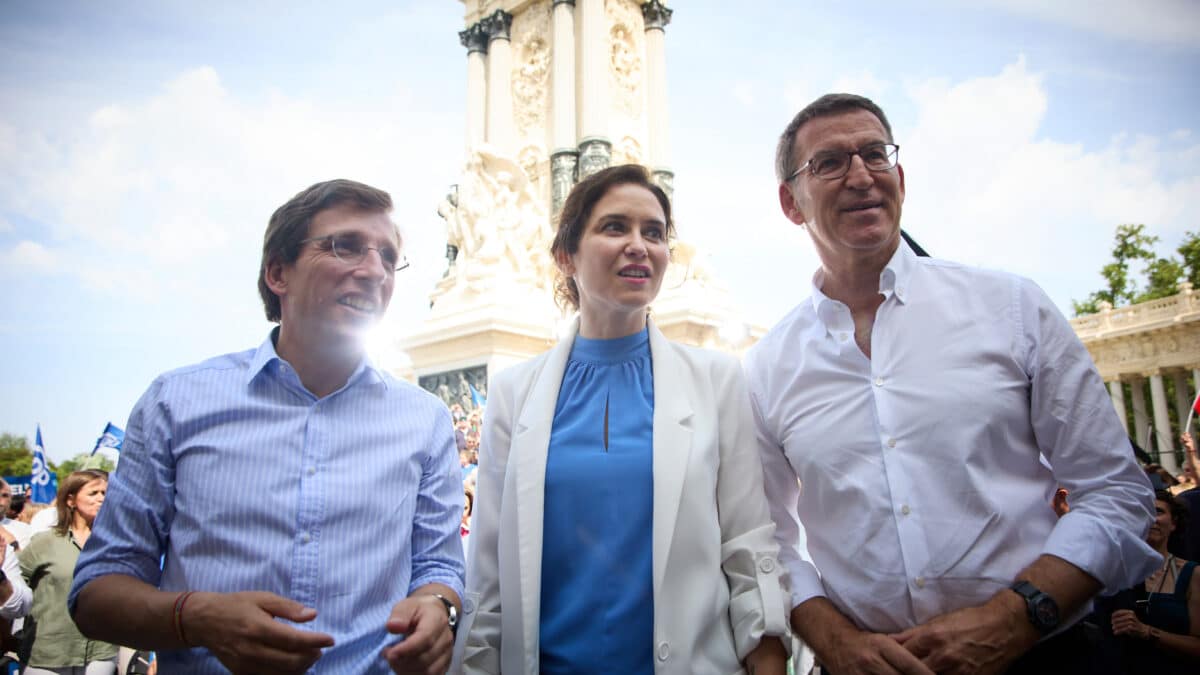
[111, 437]
[22, 486]
[477, 399]
[41, 478]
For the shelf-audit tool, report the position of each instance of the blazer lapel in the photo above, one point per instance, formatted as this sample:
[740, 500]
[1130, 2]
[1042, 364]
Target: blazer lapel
[531, 441]
[672, 445]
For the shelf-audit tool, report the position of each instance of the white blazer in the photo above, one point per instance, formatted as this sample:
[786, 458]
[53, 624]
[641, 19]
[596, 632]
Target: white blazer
[717, 581]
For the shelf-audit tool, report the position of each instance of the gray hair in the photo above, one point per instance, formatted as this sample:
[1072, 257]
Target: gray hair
[826, 106]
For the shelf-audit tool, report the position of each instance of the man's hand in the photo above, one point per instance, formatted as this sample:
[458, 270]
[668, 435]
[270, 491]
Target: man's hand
[428, 643]
[241, 631]
[983, 639]
[1125, 622]
[873, 654]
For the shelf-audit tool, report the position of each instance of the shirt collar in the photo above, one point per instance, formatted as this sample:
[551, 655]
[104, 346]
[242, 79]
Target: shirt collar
[895, 280]
[266, 359]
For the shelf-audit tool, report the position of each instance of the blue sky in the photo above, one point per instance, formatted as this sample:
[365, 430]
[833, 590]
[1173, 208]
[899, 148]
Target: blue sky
[143, 146]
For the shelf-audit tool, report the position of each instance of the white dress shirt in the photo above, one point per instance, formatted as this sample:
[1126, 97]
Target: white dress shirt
[18, 603]
[923, 492]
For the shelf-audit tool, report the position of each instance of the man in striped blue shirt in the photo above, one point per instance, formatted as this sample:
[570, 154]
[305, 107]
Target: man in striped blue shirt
[303, 503]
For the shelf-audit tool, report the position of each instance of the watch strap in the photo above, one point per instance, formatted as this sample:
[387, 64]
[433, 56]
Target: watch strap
[452, 611]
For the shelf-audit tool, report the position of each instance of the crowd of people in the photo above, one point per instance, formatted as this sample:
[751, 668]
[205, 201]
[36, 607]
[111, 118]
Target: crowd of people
[917, 471]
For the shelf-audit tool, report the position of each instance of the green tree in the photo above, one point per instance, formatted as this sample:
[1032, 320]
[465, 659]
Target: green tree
[84, 460]
[1189, 250]
[1131, 244]
[1163, 277]
[16, 457]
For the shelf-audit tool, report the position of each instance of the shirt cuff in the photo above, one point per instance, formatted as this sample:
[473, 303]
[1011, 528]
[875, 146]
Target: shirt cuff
[1112, 555]
[805, 581]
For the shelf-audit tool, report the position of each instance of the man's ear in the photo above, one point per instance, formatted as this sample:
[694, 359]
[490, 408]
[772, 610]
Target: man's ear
[276, 278]
[787, 202]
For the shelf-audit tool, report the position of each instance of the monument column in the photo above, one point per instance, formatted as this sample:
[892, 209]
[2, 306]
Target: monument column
[500, 130]
[656, 19]
[595, 148]
[1162, 424]
[562, 84]
[1137, 394]
[476, 42]
[1117, 390]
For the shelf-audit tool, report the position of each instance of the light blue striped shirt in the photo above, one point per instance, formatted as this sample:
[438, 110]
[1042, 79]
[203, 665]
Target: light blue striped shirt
[246, 481]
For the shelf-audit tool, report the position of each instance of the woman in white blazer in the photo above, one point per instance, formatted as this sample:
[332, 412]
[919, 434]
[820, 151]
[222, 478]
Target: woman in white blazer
[620, 522]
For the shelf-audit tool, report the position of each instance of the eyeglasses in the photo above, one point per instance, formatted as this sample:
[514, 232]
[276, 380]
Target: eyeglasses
[351, 248]
[835, 164]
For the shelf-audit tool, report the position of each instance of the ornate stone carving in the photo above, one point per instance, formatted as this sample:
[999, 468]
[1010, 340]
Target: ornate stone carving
[562, 177]
[497, 25]
[665, 180]
[475, 39]
[625, 55]
[564, 2]
[594, 154]
[628, 151]
[498, 224]
[531, 68]
[656, 15]
[454, 386]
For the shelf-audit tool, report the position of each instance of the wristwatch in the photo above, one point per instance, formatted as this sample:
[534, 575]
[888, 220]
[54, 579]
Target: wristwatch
[452, 611]
[1041, 608]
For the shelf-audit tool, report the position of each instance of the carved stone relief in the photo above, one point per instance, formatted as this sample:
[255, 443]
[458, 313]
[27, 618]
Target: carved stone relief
[628, 151]
[531, 69]
[594, 154]
[625, 54]
[454, 386]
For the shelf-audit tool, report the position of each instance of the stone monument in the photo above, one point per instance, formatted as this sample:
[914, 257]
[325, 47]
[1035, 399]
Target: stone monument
[556, 90]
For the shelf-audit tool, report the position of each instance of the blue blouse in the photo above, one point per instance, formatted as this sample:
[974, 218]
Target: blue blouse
[597, 605]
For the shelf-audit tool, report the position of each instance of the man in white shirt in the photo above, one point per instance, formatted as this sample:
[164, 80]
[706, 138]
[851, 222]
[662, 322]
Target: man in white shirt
[18, 533]
[911, 399]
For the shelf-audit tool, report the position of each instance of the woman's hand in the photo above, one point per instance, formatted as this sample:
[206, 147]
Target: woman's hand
[768, 658]
[1125, 622]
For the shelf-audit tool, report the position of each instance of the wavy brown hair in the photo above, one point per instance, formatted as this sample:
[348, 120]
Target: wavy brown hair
[577, 209]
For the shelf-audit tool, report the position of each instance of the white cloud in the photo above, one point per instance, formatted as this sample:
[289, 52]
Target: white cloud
[5, 225]
[983, 185]
[30, 255]
[179, 185]
[1175, 22]
[743, 92]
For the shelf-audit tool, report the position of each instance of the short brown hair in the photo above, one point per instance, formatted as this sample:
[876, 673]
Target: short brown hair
[826, 106]
[69, 488]
[289, 225]
[578, 209]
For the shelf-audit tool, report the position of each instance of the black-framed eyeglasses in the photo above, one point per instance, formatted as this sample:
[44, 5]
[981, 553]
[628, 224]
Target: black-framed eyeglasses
[834, 164]
[351, 248]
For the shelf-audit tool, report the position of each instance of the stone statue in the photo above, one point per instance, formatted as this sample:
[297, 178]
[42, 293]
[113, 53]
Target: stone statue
[497, 222]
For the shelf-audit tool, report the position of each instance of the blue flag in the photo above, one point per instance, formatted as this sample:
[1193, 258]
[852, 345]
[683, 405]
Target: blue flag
[477, 399]
[42, 492]
[112, 437]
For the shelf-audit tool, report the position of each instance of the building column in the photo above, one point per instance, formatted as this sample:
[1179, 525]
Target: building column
[562, 84]
[1162, 425]
[595, 148]
[500, 129]
[1117, 392]
[1183, 399]
[476, 42]
[656, 18]
[1137, 395]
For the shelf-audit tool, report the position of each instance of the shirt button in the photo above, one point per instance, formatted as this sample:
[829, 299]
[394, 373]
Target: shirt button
[891, 442]
[904, 510]
[664, 651]
[843, 336]
[879, 382]
[766, 565]
[920, 582]
[305, 538]
[311, 470]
